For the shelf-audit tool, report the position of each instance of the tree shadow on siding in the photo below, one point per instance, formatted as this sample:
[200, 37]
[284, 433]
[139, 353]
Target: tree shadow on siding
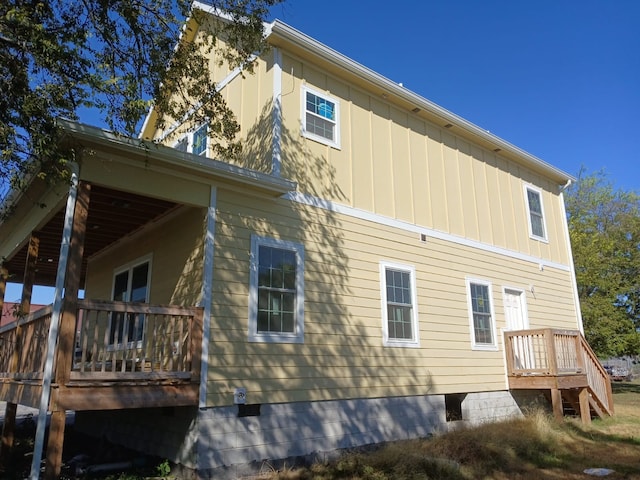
[342, 358]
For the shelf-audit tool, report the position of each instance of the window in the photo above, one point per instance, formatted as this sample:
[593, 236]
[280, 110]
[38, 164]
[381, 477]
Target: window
[320, 117]
[399, 312]
[481, 316]
[536, 213]
[276, 291]
[130, 284]
[194, 142]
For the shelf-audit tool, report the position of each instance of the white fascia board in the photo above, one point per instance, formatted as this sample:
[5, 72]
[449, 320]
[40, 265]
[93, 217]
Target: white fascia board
[196, 163]
[286, 32]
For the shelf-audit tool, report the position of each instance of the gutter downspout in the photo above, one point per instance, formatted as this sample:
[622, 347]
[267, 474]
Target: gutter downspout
[574, 283]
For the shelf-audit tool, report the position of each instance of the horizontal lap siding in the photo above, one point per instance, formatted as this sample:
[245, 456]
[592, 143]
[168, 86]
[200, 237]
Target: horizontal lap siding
[342, 355]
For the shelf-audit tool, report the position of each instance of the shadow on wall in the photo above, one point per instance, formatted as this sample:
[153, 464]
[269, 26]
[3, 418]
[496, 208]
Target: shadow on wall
[342, 357]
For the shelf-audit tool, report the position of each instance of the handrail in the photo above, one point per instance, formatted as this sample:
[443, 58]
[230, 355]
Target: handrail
[554, 352]
[114, 341]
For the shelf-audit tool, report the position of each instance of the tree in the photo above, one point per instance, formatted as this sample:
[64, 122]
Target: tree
[59, 58]
[604, 226]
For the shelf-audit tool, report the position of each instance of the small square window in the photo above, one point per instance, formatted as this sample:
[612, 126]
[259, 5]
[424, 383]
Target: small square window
[276, 291]
[400, 318]
[320, 117]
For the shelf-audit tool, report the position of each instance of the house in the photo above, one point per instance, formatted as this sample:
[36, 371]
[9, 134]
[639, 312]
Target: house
[373, 268]
[11, 309]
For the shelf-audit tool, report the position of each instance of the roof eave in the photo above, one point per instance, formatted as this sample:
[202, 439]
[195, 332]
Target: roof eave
[279, 29]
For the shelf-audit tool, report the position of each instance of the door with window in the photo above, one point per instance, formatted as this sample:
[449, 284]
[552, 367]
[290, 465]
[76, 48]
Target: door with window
[515, 312]
[130, 284]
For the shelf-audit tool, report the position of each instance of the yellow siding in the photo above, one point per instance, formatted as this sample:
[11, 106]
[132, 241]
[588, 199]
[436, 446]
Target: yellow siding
[342, 355]
[395, 163]
[176, 265]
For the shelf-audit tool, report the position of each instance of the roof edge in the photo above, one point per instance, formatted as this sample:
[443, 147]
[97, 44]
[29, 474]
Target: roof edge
[280, 29]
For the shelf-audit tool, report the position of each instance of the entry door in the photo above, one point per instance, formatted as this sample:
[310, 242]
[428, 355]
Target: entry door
[130, 285]
[515, 312]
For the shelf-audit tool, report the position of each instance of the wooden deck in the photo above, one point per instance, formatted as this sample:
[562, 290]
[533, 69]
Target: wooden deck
[562, 363]
[160, 367]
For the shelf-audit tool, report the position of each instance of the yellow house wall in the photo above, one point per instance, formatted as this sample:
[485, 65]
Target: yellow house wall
[342, 355]
[176, 264]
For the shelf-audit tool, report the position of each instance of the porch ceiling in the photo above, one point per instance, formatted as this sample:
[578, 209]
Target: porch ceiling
[112, 215]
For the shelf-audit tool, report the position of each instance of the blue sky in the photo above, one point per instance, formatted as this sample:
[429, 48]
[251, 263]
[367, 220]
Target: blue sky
[557, 78]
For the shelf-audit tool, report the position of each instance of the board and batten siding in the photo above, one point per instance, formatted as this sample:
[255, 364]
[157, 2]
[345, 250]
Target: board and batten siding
[342, 355]
[394, 163]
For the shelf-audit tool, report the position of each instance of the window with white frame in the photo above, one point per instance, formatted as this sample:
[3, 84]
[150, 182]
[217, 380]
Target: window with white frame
[399, 308]
[320, 117]
[537, 228]
[130, 284]
[276, 291]
[194, 142]
[481, 315]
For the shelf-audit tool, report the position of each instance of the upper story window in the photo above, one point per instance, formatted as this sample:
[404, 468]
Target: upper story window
[481, 316]
[276, 291]
[320, 117]
[399, 310]
[537, 228]
[194, 142]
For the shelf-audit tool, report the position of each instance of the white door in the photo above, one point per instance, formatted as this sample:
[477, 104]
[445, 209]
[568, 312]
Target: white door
[515, 312]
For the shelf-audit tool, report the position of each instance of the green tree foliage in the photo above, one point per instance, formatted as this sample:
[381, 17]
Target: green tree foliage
[61, 57]
[604, 226]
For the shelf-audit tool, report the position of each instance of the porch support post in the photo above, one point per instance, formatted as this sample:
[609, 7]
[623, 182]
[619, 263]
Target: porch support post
[67, 332]
[53, 329]
[585, 411]
[11, 410]
[8, 426]
[556, 403]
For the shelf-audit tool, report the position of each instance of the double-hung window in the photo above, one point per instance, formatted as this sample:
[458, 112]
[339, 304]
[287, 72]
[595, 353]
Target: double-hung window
[399, 309]
[320, 117]
[537, 228]
[481, 316]
[194, 142]
[276, 291]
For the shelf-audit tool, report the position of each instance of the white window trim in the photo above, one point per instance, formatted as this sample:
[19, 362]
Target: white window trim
[129, 267]
[474, 345]
[544, 238]
[395, 342]
[189, 137]
[303, 117]
[273, 337]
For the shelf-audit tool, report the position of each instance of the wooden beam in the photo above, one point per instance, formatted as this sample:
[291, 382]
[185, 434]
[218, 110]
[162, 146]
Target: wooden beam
[585, 411]
[8, 426]
[67, 333]
[556, 403]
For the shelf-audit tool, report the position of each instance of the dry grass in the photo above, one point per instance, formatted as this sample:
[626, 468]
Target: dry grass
[531, 448]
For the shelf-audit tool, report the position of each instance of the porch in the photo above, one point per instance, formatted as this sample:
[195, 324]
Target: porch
[561, 363]
[107, 369]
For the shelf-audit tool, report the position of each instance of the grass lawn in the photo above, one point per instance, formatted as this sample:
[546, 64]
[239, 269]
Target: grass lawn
[535, 447]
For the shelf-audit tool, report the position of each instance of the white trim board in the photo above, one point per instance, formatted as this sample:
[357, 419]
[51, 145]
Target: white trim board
[410, 227]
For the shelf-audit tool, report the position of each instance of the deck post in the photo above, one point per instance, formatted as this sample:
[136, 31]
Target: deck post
[556, 402]
[8, 425]
[66, 335]
[585, 411]
[11, 410]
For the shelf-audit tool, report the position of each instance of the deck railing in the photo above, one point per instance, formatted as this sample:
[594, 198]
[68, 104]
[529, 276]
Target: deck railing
[23, 345]
[552, 352]
[114, 341]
